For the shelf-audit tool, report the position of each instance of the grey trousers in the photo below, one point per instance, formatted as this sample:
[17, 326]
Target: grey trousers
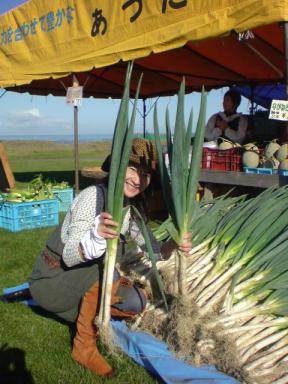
[59, 289]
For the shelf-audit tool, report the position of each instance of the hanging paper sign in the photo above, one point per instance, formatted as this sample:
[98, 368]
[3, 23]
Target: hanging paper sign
[74, 96]
[279, 110]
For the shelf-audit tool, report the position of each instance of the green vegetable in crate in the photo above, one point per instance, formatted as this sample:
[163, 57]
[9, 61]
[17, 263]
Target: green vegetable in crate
[39, 183]
[14, 199]
[36, 190]
[19, 196]
[271, 149]
[250, 159]
[62, 185]
[282, 152]
[14, 195]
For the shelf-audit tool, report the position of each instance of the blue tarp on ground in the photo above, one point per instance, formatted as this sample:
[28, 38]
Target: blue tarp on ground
[155, 357]
[31, 302]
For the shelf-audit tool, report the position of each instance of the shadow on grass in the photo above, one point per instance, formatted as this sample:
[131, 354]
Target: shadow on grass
[57, 176]
[13, 368]
[50, 315]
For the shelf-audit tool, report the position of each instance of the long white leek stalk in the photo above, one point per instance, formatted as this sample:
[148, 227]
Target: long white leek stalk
[180, 190]
[121, 147]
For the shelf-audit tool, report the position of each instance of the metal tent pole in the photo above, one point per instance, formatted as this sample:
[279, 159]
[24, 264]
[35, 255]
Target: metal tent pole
[253, 99]
[76, 157]
[286, 69]
[144, 118]
[286, 55]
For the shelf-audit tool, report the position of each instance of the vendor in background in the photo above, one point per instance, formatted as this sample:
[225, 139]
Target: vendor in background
[228, 124]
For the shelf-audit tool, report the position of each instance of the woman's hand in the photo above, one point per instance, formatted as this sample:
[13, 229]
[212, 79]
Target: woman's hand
[222, 124]
[169, 246]
[186, 244]
[106, 226]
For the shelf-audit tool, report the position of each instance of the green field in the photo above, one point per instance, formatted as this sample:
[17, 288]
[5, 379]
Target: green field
[34, 346]
[53, 160]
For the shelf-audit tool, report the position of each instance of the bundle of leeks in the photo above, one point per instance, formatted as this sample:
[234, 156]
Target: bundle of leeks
[237, 275]
[180, 189]
[121, 148]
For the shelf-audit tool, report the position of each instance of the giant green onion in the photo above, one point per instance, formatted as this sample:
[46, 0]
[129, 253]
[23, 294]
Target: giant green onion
[121, 148]
[180, 189]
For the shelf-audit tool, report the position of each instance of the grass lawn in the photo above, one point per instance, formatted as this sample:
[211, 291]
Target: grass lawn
[34, 346]
[54, 160]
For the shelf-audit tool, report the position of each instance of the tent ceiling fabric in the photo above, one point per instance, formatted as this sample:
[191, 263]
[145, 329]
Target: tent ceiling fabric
[41, 64]
[263, 94]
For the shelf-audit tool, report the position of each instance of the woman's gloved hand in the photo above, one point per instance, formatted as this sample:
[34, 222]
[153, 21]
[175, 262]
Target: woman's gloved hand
[107, 226]
[186, 244]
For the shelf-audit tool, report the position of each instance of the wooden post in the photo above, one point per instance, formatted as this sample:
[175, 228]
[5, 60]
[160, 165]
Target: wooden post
[6, 176]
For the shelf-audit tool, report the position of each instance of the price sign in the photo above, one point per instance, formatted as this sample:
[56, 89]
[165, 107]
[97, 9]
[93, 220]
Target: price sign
[74, 96]
[279, 110]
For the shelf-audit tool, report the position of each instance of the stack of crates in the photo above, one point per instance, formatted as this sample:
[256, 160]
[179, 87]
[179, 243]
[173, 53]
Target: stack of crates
[222, 159]
[283, 172]
[64, 197]
[16, 217]
[260, 171]
[266, 171]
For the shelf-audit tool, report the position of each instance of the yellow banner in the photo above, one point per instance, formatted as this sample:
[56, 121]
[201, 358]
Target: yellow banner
[53, 38]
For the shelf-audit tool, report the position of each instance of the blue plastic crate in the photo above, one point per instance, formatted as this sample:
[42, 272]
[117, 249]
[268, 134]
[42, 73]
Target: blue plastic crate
[259, 171]
[64, 197]
[16, 217]
[283, 172]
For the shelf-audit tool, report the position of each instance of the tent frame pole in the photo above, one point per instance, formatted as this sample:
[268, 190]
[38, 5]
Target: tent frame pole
[144, 118]
[286, 56]
[285, 138]
[76, 157]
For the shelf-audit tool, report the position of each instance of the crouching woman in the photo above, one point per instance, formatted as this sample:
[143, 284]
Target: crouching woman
[66, 279]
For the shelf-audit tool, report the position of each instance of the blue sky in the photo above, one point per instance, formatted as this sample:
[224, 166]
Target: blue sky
[23, 114]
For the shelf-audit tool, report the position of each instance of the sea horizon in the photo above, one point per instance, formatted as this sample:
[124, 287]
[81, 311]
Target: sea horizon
[66, 139]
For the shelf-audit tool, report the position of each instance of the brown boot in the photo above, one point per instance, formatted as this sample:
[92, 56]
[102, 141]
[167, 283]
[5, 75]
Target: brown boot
[116, 312]
[84, 350]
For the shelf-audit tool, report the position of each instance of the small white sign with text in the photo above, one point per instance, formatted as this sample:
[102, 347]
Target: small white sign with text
[74, 96]
[279, 110]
